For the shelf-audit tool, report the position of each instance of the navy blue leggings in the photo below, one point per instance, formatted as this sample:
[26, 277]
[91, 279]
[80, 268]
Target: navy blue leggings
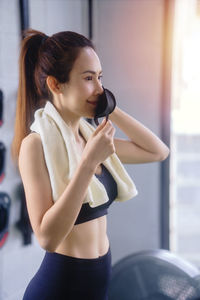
[62, 277]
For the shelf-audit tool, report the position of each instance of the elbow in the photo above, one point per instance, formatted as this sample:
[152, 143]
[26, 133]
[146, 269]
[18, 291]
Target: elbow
[47, 245]
[48, 248]
[51, 243]
[164, 154]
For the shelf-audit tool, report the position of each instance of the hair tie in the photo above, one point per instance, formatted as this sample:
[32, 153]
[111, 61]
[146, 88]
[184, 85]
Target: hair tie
[44, 39]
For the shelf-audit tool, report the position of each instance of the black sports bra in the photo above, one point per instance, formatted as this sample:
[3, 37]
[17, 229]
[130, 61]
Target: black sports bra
[88, 213]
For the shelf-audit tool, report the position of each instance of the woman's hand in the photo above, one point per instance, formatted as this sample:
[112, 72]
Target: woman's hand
[100, 145]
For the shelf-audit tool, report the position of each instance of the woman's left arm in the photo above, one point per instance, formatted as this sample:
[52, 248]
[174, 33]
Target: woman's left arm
[143, 145]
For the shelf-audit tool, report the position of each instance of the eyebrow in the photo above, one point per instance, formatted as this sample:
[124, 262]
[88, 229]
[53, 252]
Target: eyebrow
[90, 71]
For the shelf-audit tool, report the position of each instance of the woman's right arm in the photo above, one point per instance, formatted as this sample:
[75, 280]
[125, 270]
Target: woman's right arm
[52, 222]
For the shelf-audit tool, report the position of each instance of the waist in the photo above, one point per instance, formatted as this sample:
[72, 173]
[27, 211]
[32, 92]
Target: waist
[86, 240]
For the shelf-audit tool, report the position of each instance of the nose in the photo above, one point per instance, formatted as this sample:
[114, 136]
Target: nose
[99, 88]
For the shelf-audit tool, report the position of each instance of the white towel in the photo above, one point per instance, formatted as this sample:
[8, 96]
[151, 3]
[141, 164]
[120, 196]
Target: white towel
[62, 158]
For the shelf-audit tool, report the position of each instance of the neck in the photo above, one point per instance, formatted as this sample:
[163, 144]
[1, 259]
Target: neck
[70, 119]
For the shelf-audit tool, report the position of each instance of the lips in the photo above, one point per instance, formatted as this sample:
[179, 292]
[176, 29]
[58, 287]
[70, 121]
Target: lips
[93, 102]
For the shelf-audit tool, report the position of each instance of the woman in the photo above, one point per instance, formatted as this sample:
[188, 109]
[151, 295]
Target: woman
[65, 70]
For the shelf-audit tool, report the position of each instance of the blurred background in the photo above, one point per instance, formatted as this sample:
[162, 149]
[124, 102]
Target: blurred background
[149, 51]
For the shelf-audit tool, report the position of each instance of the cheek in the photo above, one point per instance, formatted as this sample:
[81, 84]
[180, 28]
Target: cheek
[86, 88]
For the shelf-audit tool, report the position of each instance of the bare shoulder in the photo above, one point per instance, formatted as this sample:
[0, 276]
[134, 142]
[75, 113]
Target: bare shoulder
[31, 147]
[32, 139]
[32, 165]
[32, 159]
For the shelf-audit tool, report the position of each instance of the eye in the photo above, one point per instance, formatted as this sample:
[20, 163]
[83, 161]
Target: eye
[88, 78]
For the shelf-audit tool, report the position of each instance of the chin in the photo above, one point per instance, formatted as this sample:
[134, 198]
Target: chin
[89, 115]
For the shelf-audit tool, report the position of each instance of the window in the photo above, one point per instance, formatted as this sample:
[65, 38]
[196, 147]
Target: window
[185, 133]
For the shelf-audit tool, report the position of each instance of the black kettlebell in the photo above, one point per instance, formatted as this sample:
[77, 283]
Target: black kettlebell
[2, 161]
[1, 107]
[5, 203]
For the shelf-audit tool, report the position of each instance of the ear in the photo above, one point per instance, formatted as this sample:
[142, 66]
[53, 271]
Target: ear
[53, 85]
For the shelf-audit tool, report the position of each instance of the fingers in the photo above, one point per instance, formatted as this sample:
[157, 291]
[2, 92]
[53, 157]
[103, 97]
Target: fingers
[100, 126]
[108, 126]
[111, 132]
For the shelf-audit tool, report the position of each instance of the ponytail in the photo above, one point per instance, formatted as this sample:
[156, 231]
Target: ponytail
[28, 98]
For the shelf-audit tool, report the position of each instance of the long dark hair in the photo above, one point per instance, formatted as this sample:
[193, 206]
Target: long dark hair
[42, 56]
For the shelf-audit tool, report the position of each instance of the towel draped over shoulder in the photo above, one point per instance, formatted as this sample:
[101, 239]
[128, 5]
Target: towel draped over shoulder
[62, 157]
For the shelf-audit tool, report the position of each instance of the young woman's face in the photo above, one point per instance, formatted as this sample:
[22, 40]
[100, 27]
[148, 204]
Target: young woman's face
[84, 84]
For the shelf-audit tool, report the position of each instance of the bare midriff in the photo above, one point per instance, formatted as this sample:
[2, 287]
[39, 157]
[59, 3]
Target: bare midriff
[86, 240]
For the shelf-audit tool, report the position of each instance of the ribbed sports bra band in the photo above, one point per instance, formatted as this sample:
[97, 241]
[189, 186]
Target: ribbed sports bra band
[88, 213]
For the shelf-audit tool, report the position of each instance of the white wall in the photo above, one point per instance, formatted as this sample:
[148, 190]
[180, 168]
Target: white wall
[51, 16]
[128, 36]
